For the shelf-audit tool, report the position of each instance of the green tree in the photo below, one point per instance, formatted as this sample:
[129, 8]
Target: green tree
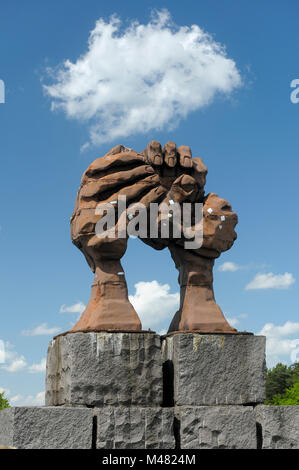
[278, 379]
[3, 402]
[290, 397]
[294, 373]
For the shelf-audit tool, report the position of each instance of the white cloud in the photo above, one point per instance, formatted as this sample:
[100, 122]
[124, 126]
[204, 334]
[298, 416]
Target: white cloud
[30, 400]
[233, 321]
[36, 368]
[16, 362]
[271, 281]
[229, 266]
[16, 365]
[2, 352]
[39, 398]
[145, 77]
[162, 332]
[41, 329]
[153, 303]
[79, 307]
[233, 267]
[6, 391]
[289, 328]
[280, 345]
[15, 399]
[243, 315]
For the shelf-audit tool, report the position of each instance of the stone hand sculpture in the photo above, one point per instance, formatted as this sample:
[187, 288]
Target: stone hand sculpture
[157, 175]
[198, 309]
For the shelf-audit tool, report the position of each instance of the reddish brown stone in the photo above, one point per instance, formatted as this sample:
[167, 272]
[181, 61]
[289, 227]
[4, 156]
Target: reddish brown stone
[157, 175]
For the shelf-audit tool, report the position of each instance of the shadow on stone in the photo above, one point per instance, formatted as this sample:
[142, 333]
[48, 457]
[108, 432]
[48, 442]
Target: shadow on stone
[259, 436]
[168, 384]
[94, 431]
[177, 433]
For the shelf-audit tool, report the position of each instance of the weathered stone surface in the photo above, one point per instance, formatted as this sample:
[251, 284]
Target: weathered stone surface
[46, 428]
[214, 369]
[101, 369]
[217, 427]
[6, 427]
[278, 426]
[135, 428]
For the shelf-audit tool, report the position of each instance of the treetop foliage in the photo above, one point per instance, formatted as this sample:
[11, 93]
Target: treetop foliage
[282, 385]
[3, 402]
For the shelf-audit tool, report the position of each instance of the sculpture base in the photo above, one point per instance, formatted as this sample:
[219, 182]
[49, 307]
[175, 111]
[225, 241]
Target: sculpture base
[278, 426]
[187, 427]
[102, 369]
[206, 369]
[135, 428]
[61, 427]
[46, 427]
[217, 427]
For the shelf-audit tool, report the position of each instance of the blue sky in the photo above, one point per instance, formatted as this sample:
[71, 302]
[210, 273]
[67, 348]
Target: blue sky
[247, 137]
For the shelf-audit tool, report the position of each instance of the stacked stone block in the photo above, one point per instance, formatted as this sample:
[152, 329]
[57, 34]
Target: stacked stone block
[142, 391]
[120, 376]
[278, 426]
[47, 427]
[105, 369]
[213, 377]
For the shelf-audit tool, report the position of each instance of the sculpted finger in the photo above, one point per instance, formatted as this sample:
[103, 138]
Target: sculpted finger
[153, 153]
[184, 188]
[170, 154]
[115, 181]
[154, 195]
[111, 162]
[185, 154]
[118, 149]
[135, 191]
